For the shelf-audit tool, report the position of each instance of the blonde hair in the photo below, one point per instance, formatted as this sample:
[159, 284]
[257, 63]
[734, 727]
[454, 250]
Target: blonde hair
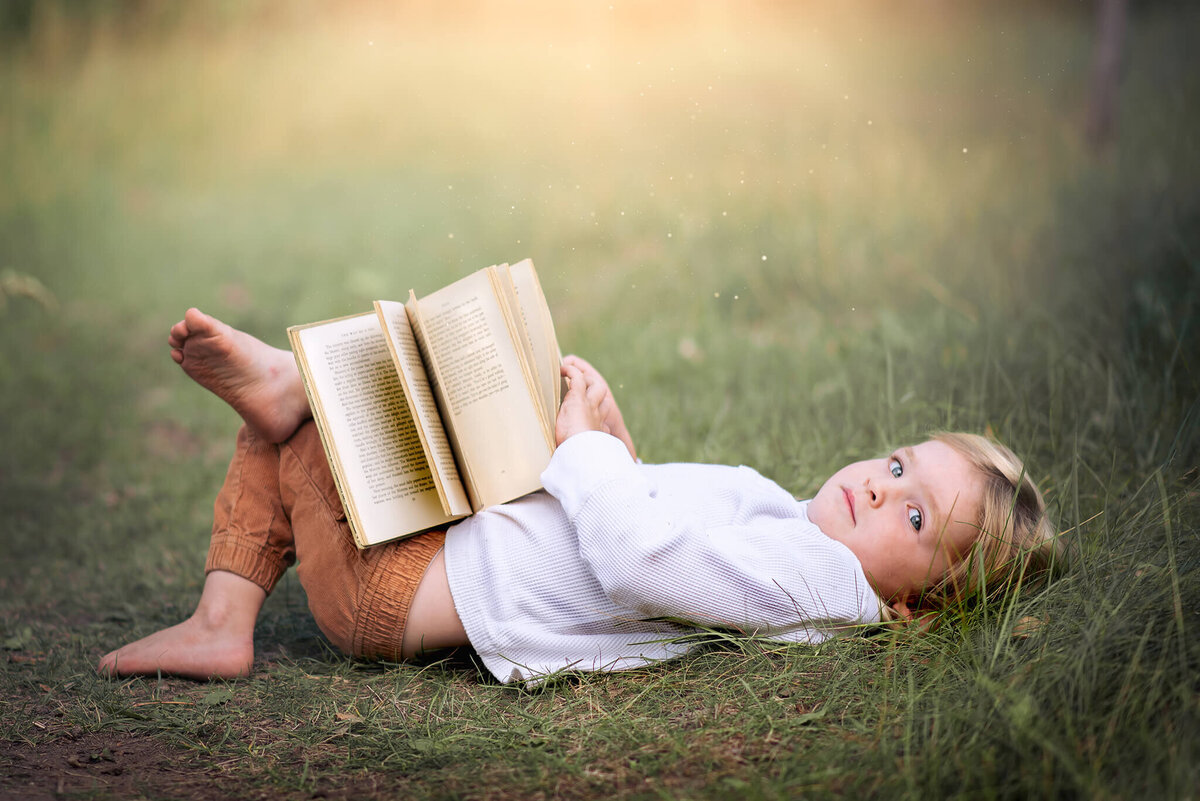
[1017, 542]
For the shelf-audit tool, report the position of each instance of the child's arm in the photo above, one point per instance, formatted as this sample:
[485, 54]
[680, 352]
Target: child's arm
[588, 405]
[774, 574]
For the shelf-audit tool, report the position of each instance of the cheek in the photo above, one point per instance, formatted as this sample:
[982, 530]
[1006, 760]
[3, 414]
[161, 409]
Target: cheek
[820, 501]
[818, 513]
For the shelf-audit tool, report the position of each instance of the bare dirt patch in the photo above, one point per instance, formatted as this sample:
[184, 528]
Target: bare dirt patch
[118, 765]
[121, 765]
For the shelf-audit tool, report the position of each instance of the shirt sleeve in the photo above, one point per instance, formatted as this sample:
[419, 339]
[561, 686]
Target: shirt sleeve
[777, 577]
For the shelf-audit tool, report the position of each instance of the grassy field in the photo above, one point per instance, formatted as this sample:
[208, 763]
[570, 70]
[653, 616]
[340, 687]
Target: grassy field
[791, 236]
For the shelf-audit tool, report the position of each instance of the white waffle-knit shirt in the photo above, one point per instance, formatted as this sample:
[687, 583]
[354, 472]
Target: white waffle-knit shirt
[616, 561]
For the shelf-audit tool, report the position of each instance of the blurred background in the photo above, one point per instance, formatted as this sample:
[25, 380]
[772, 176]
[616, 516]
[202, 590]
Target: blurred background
[241, 148]
[792, 234]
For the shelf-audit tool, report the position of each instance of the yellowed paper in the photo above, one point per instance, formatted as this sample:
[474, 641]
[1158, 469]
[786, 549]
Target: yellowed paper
[544, 343]
[373, 443]
[406, 357]
[491, 417]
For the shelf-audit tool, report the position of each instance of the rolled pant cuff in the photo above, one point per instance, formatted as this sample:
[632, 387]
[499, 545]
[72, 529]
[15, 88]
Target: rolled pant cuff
[245, 556]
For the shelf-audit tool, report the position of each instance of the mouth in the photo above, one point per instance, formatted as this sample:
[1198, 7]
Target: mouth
[849, 496]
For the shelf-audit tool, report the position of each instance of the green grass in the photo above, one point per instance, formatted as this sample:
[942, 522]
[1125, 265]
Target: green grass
[791, 237]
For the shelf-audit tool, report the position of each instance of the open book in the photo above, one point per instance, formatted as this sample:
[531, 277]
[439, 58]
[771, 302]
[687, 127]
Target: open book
[436, 408]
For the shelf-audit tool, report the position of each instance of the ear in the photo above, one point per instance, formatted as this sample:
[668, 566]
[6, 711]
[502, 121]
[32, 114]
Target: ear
[924, 619]
[901, 608]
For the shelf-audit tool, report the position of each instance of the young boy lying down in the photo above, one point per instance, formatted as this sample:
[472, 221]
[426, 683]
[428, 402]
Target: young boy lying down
[610, 567]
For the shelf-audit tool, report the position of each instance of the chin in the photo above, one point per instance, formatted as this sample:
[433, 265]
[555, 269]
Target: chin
[818, 509]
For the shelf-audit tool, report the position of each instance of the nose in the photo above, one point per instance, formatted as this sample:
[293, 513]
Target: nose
[874, 493]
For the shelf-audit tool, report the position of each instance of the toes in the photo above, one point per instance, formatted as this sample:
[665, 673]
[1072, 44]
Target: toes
[198, 322]
[107, 664]
[179, 333]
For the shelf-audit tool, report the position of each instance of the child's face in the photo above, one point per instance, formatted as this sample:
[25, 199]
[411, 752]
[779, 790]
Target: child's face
[907, 517]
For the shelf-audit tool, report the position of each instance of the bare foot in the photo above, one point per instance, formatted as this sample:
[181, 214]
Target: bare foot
[260, 382]
[189, 649]
[216, 642]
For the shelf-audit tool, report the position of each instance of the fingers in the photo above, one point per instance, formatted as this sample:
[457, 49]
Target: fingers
[588, 388]
[597, 391]
[576, 361]
[579, 410]
[594, 387]
[592, 374]
[606, 406]
[574, 376]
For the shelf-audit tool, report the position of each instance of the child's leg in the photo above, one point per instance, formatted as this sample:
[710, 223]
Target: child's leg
[251, 547]
[278, 500]
[359, 598]
[252, 535]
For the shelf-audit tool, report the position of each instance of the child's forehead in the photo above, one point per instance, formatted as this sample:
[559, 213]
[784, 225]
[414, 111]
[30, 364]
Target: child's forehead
[942, 466]
[937, 456]
[905, 447]
[933, 445]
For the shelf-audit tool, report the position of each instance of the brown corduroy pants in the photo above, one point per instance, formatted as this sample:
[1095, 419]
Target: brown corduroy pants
[279, 506]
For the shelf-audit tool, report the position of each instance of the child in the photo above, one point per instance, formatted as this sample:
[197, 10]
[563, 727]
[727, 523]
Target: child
[611, 567]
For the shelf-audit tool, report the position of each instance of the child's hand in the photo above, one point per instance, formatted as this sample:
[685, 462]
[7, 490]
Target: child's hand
[588, 405]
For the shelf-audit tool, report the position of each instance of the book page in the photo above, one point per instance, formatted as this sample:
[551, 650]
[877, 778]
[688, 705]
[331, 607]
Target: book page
[413, 308]
[370, 437]
[535, 311]
[492, 420]
[514, 319]
[402, 345]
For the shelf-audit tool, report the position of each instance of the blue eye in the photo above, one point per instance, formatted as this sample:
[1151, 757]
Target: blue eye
[914, 518]
[896, 468]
